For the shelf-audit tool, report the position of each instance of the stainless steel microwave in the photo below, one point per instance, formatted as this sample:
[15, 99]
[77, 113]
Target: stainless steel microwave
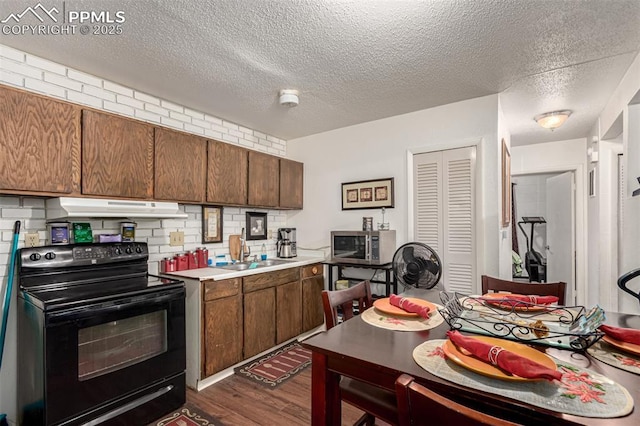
[363, 247]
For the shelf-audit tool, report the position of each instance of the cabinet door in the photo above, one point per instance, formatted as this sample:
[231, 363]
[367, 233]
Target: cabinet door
[180, 167]
[264, 177]
[227, 174]
[312, 310]
[259, 321]
[39, 144]
[222, 334]
[291, 182]
[117, 156]
[288, 311]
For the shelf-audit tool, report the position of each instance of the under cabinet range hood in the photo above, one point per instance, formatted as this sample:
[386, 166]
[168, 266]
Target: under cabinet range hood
[70, 207]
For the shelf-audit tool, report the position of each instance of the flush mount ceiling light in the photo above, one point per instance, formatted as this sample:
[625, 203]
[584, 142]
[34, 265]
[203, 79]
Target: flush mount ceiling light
[289, 98]
[552, 120]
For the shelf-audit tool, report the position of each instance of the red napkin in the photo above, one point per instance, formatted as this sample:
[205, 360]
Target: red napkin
[409, 306]
[515, 299]
[504, 359]
[628, 335]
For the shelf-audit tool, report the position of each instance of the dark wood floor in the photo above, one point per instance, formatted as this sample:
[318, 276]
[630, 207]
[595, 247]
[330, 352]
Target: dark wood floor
[238, 401]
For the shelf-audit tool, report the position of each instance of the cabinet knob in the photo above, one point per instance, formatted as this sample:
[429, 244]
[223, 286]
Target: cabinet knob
[314, 270]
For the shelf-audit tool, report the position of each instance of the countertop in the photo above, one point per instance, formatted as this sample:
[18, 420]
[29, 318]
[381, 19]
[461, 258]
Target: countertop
[217, 274]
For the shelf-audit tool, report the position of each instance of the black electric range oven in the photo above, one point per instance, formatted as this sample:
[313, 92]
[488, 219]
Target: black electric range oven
[100, 341]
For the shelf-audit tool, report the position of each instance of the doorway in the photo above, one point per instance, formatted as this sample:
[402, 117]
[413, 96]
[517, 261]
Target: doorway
[550, 196]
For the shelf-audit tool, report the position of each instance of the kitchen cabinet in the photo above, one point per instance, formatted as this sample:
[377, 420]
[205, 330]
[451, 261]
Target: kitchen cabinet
[261, 307]
[39, 144]
[288, 311]
[227, 171]
[117, 156]
[264, 178]
[180, 166]
[312, 286]
[291, 182]
[222, 332]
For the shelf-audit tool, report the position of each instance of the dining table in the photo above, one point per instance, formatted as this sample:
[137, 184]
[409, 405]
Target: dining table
[379, 356]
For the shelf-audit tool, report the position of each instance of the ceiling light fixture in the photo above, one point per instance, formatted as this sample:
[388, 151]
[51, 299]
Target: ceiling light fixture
[552, 120]
[289, 98]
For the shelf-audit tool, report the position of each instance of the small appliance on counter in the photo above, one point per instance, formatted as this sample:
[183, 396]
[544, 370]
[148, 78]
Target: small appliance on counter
[286, 244]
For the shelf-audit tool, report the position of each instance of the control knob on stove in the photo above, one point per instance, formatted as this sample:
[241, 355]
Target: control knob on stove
[129, 250]
[35, 256]
[117, 251]
[138, 249]
[50, 256]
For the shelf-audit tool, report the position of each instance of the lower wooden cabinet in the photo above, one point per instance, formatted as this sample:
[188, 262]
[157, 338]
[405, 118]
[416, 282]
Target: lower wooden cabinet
[288, 311]
[312, 286]
[259, 321]
[222, 328]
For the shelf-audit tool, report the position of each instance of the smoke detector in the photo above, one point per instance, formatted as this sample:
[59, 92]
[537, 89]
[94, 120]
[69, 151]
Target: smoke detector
[289, 98]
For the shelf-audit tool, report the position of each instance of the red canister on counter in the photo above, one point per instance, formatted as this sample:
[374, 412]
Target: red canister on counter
[168, 265]
[182, 262]
[203, 256]
[192, 260]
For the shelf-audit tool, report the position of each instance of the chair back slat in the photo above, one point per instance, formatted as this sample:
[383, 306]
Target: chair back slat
[344, 299]
[557, 289]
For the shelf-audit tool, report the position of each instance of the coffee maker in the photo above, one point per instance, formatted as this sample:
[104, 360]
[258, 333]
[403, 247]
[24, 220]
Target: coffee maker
[286, 244]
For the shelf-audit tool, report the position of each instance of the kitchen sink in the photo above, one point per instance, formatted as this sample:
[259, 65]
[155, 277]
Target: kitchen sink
[241, 266]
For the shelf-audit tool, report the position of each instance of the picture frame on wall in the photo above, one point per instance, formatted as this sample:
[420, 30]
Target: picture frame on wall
[368, 194]
[256, 226]
[506, 185]
[211, 224]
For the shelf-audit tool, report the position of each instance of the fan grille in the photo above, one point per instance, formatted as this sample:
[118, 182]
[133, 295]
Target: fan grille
[417, 265]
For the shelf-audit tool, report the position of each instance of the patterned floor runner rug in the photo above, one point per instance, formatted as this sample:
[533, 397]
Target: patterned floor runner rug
[277, 366]
[187, 415]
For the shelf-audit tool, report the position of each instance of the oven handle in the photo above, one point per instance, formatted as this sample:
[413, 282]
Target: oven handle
[100, 308]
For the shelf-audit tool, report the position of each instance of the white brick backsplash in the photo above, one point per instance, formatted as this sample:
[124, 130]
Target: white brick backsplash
[173, 223]
[33, 202]
[259, 134]
[230, 138]
[171, 106]
[251, 138]
[272, 139]
[146, 98]
[81, 98]
[213, 119]
[126, 100]
[99, 93]
[84, 78]
[156, 110]
[201, 123]
[193, 129]
[11, 78]
[236, 133]
[229, 125]
[21, 68]
[148, 116]
[261, 148]
[245, 130]
[213, 134]
[11, 53]
[46, 65]
[179, 116]
[193, 113]
[220, 129]
[264, 142]
[62, 81]
[122, 109]
[159, 232]
[113, 87]
[148, 224]
[46, 88]
[171, 122]
[192, 209]
[8, 201]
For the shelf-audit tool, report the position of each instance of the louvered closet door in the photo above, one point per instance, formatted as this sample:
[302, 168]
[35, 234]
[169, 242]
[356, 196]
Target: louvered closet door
[444, 198]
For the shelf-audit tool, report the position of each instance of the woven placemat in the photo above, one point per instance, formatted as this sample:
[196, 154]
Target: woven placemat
[615, 357]
[398, 323]
[582, 392]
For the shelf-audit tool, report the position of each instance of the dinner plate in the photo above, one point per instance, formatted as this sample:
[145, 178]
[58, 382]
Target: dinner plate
[624, 346]
[468, 361]
[508, 306]
[385, 306]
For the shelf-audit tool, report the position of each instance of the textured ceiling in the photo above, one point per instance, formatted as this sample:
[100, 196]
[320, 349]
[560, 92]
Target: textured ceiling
[357, 61]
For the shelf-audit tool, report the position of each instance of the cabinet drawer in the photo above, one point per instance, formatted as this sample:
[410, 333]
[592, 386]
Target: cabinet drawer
[312, 270]
[270, 279]
[218, 289]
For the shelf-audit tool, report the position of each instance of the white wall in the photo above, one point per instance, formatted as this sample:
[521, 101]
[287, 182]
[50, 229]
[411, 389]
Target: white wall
[505, 242]
[379, 149]
[556, 157]
[29, 72]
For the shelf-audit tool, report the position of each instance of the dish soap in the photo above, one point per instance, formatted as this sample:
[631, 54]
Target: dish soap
[263, 252]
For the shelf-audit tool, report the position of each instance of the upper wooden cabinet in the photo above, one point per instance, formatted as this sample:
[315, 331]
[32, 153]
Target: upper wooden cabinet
[291, 182]
[39, 143]
[227, 174]
[117, 156]
[180, 168]
[264, 178]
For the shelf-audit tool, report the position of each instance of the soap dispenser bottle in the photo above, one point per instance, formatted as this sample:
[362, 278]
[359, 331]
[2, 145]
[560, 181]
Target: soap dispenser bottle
[263, 252]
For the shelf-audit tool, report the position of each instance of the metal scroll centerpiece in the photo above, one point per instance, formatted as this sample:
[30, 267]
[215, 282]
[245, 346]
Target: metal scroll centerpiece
[566, 327]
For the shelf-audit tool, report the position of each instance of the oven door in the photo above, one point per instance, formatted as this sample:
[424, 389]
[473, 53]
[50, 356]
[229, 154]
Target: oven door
[102, 352]
[349, 247]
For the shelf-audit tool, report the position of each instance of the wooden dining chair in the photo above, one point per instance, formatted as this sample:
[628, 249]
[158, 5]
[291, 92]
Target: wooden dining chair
[419, 406]
[374, 401]
[557, 289]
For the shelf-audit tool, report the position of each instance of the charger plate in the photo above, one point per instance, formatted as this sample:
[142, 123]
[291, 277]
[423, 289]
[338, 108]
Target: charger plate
[624, 346]
[385, 306]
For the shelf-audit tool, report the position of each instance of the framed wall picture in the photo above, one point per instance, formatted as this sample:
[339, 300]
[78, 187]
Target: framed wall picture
[506, 185]
[256, 226]
[367, 194]
[211, 224]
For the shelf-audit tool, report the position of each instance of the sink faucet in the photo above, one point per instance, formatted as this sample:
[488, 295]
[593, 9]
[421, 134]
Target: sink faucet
[243, 256]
